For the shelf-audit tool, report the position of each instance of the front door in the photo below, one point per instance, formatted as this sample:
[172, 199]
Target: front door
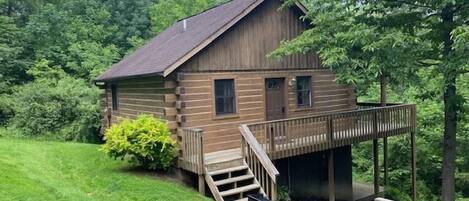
[275, 98]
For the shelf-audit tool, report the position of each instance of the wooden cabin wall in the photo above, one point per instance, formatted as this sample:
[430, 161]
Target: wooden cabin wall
[196, 109]
[152, 95]
[245, 45]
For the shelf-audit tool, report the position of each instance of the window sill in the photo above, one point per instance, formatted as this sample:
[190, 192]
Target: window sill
[225, 116]
[303, 108]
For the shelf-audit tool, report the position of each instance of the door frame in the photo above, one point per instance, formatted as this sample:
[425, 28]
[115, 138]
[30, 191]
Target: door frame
[284, 95]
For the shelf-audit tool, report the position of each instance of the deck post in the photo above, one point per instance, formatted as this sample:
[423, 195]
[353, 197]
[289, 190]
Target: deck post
[201, 184]
[376, 167]
[201, 162]
[385, 161]
[414, 167]
[331, 176]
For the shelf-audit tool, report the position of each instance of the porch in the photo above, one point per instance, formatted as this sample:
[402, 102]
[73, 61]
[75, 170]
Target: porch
[263, 142]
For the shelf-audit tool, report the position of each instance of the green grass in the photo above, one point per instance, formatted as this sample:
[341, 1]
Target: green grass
[34, 170]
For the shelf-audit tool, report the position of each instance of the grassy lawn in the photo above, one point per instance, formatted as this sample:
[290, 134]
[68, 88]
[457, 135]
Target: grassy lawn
[32, 170]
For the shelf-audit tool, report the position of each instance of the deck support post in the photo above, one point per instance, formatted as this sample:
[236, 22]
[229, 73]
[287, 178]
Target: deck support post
[376, 167]
[201, 184]
[414, 166]
[331, 176]
[385, 162]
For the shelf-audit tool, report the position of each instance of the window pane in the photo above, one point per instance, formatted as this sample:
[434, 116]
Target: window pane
[303, 90]
[219, 104]
[225, 96]
[114, 97]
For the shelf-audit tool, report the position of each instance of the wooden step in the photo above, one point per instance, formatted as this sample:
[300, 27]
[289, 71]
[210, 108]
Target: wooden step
[239, 190]
[233, 180]
[243, 199]
[228, 170]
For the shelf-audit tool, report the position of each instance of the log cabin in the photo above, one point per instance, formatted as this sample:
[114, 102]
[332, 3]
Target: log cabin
[249, 124]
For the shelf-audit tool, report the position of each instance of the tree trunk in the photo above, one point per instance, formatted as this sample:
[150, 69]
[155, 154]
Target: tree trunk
[383, 84]
[449, 140]
[449, 148]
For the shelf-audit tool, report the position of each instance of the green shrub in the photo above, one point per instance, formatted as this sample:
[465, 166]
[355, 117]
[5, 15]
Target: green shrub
[55, 106]
[63, 110]
[283, 193]
[146, 141]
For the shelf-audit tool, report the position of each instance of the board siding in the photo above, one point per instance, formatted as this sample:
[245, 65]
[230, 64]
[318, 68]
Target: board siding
[220, 134]
[245, 45]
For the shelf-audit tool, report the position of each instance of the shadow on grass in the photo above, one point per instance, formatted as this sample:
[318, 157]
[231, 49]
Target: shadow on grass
[173, 175]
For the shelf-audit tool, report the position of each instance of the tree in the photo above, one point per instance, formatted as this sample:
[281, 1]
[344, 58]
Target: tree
[132, 19]
[360, 39]
[12, 65]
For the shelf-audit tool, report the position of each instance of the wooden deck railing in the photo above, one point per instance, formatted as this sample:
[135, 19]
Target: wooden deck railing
[259, 163]
[192, 151]
[296, 136]
[366, 105]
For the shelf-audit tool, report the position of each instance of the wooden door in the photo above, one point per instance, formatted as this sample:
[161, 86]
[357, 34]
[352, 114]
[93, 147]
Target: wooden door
[275, 98]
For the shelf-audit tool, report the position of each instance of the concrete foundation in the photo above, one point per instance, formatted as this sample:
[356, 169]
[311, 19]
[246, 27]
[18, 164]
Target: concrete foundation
[306, 176]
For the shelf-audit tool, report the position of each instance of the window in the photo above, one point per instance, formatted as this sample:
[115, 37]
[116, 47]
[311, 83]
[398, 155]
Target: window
[303, 91]
[225, 102]
[114, 97]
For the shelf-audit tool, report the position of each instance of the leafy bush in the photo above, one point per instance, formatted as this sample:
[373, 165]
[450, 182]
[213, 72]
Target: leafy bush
[55, 106]
[146, 141]
[283, 193]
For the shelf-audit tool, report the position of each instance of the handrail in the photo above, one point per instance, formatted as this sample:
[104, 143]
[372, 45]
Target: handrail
[333, 113]
[263, 169]
[295, 136]
[192, 150]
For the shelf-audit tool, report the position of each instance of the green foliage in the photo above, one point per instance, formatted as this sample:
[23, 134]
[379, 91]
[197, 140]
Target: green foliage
[55, 105]
[12, 65]
[132, 19]
[54, 49]
[146, 141]
[90, 59]
[422, 46]
[283, 193]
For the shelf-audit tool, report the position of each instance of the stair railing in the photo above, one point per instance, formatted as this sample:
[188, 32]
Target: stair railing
[259, 163]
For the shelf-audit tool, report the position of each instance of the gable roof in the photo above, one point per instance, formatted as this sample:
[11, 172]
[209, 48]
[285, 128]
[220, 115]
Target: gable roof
[174, 46]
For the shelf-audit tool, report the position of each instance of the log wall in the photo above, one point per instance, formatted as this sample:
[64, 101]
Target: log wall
[153, 95]
[196, 109]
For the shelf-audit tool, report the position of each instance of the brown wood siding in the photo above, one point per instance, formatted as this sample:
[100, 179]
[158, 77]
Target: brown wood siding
[153, 96]
[245, 45]
[196, 109]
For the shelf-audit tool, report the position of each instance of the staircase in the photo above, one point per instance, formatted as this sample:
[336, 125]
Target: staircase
[229, 177]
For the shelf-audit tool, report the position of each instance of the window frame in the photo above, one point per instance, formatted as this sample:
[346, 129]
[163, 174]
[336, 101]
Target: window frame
[235, 113]
[310, 94]
[114, 97]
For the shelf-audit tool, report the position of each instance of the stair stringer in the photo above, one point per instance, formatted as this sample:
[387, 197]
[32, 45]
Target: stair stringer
[211, 186]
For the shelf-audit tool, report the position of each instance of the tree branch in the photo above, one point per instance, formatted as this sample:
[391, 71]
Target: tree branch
[412, 4]
[431, 15]
[428, 63]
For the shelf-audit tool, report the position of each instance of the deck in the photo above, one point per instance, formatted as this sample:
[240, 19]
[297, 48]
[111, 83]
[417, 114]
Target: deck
[290, 137]
[263, 142]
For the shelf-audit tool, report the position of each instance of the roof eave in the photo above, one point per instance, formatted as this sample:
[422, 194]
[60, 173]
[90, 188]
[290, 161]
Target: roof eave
[119, 78]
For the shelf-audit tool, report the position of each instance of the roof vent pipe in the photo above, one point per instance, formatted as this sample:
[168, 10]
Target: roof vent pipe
[184, 25]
